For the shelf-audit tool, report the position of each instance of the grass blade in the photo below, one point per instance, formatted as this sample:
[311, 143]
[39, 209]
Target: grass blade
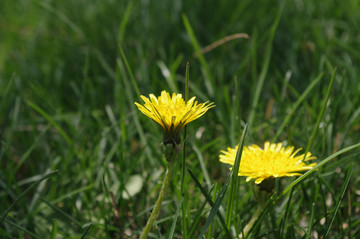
[21, 228]
[302, 177]
[265, 68]
[86, 231]
[208, 79]
[136, 88]
[46, 176]
[210, 201]
[62, 212]
[321, 113]
[216, 206]
[235, 178]
[295, 106]
[183, 205]
[171, 234]
[51, 121]
[341, 196]
[54, 230]
[197, 217]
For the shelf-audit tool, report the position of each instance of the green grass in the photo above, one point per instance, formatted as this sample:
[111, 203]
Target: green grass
[70, 72]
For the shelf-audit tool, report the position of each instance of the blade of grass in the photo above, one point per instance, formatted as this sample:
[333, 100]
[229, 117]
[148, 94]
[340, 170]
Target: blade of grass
[208, 79]
[312, 217]
[21, 228]
[138, 126]
[295, 106]
[202, 164]
[235, 179]
[302, 177]
[216, 206]
[265, 68]
[341, 196]
[32, 147]
[172, 229]
[282, 224]
[124, 21]
[136, 88]
[62, 212]
[275, 198]
[54, 229]
[46, 176]
[261, 215]
[321, 113]
[197, 218]
[210, 201]
[51, 121]
[184, 205]
[55, 12]
[86, 231]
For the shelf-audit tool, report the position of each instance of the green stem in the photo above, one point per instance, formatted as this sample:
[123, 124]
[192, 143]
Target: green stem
[157, 207]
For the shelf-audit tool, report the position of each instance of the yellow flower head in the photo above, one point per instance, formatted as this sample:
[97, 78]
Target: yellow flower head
[271, 162]
[172, 113]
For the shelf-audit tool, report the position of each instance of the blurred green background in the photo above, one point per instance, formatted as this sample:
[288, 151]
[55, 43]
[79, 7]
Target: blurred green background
[67, 103]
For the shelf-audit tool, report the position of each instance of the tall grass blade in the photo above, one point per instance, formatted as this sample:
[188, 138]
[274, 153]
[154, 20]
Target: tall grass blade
[321, 113]
[216, 206]
[295, 106]
[208, 79]
[210, 201]
[173, 225]
[136, 88]
[235, 179]
[183, 194]
[265, 68]
[197, 217]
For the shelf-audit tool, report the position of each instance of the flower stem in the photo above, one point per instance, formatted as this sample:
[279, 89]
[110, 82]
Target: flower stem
[157, 207]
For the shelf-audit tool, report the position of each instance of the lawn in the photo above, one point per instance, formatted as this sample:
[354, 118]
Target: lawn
[79, 160]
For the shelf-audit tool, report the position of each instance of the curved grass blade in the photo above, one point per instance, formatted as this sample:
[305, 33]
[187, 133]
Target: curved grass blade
[51, 121]
[341, 196]
[21, 228]
[210, 201]
[302, 177]
[274, 198]
[26, 191]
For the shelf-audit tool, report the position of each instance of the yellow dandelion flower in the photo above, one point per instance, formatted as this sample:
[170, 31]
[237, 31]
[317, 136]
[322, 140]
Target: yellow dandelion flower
[172, 113]
[271, 162]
